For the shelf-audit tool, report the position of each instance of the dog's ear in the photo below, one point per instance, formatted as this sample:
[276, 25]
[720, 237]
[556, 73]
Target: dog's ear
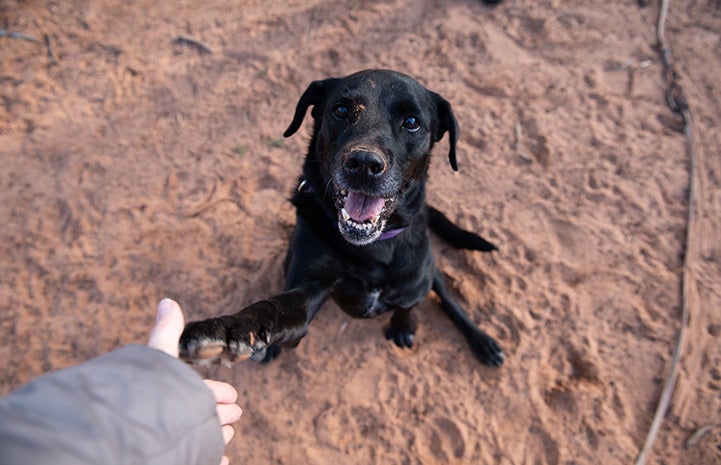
[312, 96]
[448, 124]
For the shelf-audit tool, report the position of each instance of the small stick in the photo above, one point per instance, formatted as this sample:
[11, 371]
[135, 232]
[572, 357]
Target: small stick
[17, 35]
[519, 142]
[115, 51]
[189, 41]
[682, 108]
[631, 78]
[696, 436]
[51, 50]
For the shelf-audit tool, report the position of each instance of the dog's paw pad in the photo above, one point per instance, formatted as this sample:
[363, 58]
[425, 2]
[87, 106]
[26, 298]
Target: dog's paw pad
[221, 340]
[202, 341]
[201, 349]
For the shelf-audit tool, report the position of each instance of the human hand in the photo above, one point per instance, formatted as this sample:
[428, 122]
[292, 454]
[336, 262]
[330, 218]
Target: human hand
[169, 324]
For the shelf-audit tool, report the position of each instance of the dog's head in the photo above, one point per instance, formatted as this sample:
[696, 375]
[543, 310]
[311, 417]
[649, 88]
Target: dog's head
[373, 133]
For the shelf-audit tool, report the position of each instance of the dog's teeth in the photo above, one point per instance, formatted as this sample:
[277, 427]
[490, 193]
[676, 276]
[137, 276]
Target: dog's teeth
[344, 214]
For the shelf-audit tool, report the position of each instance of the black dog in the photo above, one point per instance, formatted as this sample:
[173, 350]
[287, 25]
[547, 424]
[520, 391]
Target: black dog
[361, 235]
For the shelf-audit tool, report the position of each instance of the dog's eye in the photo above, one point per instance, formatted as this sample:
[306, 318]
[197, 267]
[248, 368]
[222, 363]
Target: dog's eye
[341, 111]
[411, 124]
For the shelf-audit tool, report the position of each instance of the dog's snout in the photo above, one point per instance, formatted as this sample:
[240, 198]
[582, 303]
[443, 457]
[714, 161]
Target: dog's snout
[365, 163]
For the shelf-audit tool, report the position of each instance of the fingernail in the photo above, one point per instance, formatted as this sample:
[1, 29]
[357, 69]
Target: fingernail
[164, 307]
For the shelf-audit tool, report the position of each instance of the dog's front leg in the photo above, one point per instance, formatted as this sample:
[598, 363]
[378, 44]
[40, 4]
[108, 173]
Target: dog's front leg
[248, 334]
[402, 328]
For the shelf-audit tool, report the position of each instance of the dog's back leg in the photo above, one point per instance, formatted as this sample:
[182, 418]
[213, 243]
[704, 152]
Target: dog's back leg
[484, 346]
[457, 237]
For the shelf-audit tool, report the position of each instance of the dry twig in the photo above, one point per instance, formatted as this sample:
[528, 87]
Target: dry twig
[17, 35]
[696, 436]
[191, 42]
[519, 143]
[677, 102]
[51, 49]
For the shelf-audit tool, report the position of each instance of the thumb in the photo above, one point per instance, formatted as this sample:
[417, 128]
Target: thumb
[169, 324]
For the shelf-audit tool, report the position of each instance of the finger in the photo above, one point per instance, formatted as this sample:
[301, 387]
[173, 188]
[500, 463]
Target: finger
[169, 324]
[225, 461]
[228, 433]
[224, 393]
[228, 413]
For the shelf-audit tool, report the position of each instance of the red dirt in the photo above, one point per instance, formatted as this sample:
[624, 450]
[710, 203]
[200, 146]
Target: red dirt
[136, 166]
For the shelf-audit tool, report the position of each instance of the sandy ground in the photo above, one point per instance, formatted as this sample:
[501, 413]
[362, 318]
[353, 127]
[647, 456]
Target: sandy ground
[135, 166]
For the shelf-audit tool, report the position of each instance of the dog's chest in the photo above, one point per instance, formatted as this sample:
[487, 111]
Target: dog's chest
[366, 296]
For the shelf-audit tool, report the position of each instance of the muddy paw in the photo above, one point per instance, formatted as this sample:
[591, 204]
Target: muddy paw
[227, 338]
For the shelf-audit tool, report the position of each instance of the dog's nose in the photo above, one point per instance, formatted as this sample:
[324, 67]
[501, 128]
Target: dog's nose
[365, 163]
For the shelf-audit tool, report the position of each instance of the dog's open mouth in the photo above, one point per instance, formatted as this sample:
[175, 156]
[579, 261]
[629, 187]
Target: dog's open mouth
[362, 217]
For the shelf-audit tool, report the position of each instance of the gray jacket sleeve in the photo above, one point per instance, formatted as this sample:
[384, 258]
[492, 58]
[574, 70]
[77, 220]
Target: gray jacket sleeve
[135, 405]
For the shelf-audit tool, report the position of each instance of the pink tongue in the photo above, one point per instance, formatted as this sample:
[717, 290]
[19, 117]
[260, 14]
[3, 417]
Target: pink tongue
[363, 207]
